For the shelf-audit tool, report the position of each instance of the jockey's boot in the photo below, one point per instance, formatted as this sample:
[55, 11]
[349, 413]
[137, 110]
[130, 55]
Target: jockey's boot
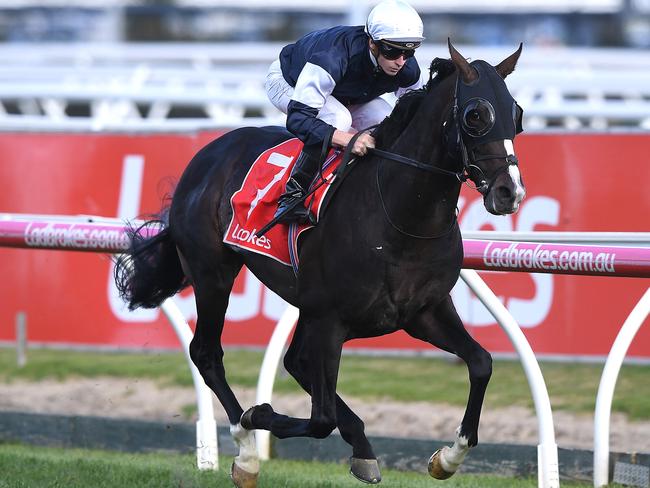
[297, 186]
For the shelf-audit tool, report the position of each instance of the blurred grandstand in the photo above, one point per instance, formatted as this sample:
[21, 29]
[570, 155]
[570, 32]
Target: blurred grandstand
[587, 23]
[185, 64]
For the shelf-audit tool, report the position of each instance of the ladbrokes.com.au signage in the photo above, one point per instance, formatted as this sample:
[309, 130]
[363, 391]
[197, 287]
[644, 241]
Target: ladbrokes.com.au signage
[523, 256]
[574, 183]
[56, 236]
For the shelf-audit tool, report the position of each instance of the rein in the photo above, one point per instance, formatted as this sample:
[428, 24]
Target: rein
[401, 231]
[459, 175]
[462, 176]
[469, 164]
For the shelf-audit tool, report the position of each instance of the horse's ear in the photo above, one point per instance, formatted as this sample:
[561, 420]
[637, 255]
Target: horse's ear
[507, 66]
[467, 73]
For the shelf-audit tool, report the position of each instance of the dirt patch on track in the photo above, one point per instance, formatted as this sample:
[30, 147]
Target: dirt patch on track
[145, 400]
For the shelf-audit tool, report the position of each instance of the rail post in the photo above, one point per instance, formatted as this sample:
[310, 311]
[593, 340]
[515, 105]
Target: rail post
[268, 371]
[607, 385]
[547, 458]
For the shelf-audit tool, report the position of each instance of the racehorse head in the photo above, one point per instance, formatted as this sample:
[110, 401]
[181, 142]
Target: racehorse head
[486, 120]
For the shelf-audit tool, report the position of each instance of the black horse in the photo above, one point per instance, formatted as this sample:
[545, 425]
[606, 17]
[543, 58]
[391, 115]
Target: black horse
[383, 257]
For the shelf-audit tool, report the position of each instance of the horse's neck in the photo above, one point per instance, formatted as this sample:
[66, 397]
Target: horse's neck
[420, 202]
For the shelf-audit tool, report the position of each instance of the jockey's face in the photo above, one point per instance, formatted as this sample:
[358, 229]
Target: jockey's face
[389, 66]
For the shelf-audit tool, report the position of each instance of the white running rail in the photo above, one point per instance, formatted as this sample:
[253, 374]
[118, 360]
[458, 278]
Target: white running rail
[607, 385]
[548, 467]
[268, 370]
[548, 475]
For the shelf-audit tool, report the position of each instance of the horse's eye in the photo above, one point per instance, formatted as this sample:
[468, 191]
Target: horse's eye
[478, 117]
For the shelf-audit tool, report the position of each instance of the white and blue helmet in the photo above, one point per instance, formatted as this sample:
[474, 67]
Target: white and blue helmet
[395, 21]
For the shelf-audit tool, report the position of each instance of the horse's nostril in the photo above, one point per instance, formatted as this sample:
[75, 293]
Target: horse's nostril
[504, 193]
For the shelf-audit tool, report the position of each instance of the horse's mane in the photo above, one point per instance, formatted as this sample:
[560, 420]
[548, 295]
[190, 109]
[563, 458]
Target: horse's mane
[407, 105]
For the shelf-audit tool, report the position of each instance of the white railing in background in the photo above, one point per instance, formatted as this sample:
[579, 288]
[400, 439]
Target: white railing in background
[189, 86]
[607, 385]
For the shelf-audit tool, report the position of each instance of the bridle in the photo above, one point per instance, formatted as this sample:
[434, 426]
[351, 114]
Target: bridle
[483, 187]
[468, 161]
[463, 175]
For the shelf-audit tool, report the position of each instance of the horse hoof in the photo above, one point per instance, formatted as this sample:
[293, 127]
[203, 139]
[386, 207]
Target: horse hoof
[435, 467]
[241, 478]
[366, 470]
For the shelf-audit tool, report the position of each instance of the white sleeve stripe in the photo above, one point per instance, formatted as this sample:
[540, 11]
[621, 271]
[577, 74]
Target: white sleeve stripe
[313, 86]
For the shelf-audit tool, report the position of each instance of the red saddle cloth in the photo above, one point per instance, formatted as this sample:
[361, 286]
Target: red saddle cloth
[255, 203]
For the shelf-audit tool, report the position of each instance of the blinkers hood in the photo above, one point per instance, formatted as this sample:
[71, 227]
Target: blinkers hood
[486, 110]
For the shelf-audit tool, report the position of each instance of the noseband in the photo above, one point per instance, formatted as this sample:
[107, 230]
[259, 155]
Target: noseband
[483, 187]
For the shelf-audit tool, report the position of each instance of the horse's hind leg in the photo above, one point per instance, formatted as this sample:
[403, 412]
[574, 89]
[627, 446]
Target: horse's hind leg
[212, 283]
[443, 328]
[364, 462]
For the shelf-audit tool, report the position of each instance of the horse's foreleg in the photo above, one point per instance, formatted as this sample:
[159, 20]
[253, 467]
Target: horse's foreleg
[443, 328]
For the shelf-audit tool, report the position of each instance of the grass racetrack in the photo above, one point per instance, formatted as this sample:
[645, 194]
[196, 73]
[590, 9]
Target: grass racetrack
[38, 467]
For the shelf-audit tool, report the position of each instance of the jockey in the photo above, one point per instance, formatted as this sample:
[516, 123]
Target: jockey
[330, 84]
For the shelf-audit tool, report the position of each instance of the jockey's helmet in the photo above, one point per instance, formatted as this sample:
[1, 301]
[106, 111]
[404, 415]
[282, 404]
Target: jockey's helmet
[396, 21]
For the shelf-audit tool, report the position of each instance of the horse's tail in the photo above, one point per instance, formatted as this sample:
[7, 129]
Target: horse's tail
[150, 271]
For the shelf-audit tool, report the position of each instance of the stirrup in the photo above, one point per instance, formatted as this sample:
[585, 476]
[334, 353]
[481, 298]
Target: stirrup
[298, 213]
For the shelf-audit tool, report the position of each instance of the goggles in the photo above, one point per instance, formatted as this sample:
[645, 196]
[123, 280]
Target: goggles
[392, 51]
[479, 117]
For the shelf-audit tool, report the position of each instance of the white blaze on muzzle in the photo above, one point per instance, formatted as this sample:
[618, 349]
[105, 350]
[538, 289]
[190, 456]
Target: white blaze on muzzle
[514, 173]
